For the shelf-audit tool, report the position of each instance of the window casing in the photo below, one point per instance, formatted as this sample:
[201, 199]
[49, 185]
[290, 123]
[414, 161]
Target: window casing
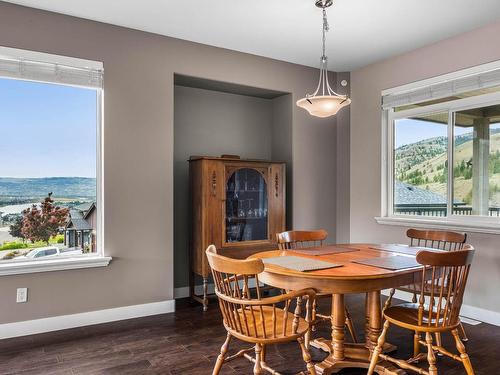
[44, 68]
[452, 178]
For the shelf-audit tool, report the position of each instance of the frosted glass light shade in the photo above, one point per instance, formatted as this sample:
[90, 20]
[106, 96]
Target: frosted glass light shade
[323, 106]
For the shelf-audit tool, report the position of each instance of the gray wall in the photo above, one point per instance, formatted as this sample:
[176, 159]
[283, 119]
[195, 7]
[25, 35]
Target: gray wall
[139, 155]
[314, 172]
[212, 123]
[281, 146]
[469, 49]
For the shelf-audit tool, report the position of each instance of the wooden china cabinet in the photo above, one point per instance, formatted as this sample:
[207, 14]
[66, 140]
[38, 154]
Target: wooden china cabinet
[237, 205]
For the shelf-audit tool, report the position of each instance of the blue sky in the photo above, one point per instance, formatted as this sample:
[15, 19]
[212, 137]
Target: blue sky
[47, 130]
[409, 131]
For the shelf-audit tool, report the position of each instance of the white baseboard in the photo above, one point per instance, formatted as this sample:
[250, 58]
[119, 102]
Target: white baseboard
[56, 323]
[472, 312]
[486, 316]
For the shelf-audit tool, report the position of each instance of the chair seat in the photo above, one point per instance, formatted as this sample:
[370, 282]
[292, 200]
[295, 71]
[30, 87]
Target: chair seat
[406, 315]
[269, 330]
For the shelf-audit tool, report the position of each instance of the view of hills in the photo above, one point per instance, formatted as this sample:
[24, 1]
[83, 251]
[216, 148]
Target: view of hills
[424, 164]
[19, 190]
[413, 154]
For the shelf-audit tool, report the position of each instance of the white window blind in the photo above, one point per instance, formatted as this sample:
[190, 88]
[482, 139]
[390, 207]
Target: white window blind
[443, 89]
[41, 67]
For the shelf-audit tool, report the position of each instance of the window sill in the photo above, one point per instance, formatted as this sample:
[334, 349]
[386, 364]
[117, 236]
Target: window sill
[16, 268]
[478, 224]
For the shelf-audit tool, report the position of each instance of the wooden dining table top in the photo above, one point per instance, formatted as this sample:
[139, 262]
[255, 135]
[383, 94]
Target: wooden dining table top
[348, 269]
[350, 277]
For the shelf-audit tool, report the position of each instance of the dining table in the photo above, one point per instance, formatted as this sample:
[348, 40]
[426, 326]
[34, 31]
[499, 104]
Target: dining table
[356, 268]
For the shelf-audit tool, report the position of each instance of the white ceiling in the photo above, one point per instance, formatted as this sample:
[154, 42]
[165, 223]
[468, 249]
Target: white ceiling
[361, 31]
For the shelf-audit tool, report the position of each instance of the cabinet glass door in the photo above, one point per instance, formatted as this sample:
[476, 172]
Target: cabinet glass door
[246, 206]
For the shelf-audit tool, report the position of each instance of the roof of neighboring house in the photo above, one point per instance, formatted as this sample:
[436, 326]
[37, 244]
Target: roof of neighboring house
[409, 195]
[77, 216]
[76, 221]
[83, 206]
[90, 210]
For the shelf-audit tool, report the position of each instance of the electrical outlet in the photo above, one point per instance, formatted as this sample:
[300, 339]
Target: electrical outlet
[22, 295]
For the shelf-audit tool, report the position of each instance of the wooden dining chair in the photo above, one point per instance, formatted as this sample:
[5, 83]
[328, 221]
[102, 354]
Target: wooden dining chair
[442, 240]
[251, 318]
[437, 239]
[437, 311]
[303, 239]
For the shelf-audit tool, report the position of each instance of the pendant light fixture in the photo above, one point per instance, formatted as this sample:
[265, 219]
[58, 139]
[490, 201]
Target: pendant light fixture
[324, 102]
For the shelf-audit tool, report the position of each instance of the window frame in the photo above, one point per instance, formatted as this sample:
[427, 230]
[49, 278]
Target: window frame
[98, 259]
[473, 223]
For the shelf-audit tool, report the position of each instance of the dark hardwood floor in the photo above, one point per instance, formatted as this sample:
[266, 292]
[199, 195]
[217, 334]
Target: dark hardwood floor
[188, 341]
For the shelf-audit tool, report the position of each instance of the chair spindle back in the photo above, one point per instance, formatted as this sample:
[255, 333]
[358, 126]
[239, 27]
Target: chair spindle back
[301, 239]
[445, 289]
[450, 241]
[247, 314]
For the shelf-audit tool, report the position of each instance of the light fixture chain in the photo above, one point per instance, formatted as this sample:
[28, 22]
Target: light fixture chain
[326, 27]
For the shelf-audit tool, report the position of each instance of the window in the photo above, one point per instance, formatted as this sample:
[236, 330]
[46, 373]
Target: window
[50, 184]
[420, 165]
[441, 162]
[476, 161]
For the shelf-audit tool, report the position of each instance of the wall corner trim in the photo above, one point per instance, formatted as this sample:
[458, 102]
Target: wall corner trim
[56, 323]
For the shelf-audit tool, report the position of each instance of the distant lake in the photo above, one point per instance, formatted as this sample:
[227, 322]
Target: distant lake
[61, 187]
[14, 208]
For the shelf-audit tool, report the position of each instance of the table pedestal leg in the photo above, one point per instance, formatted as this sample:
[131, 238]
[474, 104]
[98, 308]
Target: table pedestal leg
[368, 302]
[374, 316]
[349, 355]
[338, 326]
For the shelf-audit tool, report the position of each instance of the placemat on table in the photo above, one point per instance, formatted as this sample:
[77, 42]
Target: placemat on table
[401, 249]
[395, 262]
[323, 250]
[300, 264]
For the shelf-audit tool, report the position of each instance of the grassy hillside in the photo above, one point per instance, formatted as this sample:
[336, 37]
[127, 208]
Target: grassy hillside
[414, 154]
[424, 164]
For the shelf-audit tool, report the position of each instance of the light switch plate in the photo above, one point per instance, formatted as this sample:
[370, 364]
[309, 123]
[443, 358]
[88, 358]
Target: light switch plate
[22, 295]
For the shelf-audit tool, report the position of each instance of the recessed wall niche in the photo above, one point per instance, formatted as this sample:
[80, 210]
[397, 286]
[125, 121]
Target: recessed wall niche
[215, 118]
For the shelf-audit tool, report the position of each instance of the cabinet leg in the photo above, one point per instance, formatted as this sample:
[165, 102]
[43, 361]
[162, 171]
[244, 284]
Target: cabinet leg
[203, 299]
[205, 293]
